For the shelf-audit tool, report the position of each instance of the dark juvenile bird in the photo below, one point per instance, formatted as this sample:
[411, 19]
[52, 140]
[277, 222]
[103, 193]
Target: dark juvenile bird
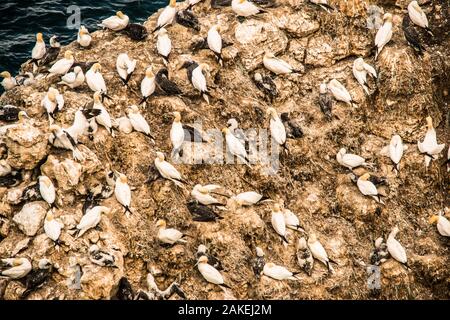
[325, 101]
[412, 36]
[37, 277]
[266, 85]
[101, 257]
[304, 256]
[202, 213]
[9, 113]
[89, 202]
[124, 290]
[52, 52]
[220, 3]
[187, 19]
[293, 130]
[85, 66]
[12, 179]
[264, 3]
[31, 193]
[258, 262]
[378, 181]
[136, 31]
[213, 261]
[166, 86]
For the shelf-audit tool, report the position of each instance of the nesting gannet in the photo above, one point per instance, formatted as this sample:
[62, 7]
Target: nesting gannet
[350, 160]
[53, 102]
[384, 34]
[213, 261]
[442, 223]
[318, 251]
[325, 101]
[167, 16]
[202, 213]
[258, 262]
[125, 67]
[25, 79]
[339, 92]
[52, 227]
[62, 66]
[197, 78]
[164, 45]
[277, 65]
[187, 19]
[47, 190]
[91, 219]
[360, 70]
[15, 268]
[167, 170]
[210, 273]
[154, 293]
[395, 151]
[39, 48]
[8, 81]
[266, 85]
[368, 188]
[278, 223]
[417, 16]
[305, 258]
[277, 129]
[148, 85]
[52, 52]
[429, 145]
[37, 277]
[116, 23]
[125, 290]
[395, 249]
[412, 36]
[84, 65]
[84, 38]
[164, 84]
[138, 121]
[176, 134]
[322, 4]
[244, 8]
[203, 194]
[220, 3]
[122, 192]
[278, 272]
[233, 126]
[235, 146]
[103, 118]
[101, 257]
[291, 220]
[73, 79]
[248, 198]
[94, 79]
[214, 40]
[169, 236]
[380, 253]
[60, 138]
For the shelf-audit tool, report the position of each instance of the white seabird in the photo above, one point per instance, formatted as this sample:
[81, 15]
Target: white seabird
[278, 223]
[8, 81]
[148, 85]
[247, 198]
[360, 70]
[103, 118]
[169, 236]
[277, 129]
[39, 48]
[176, 134]
[94, 79]
[91, 219]
[442, 224]
[235, 146]
[429, 145]
[47, 190]
[384, 34]
[84, 38]
[122, 192]
[117, 22]
[339, 92]
[60, 138]
[62, 66]
[52, 227]
[73, 79]
[138, 121]
[318, 251]
[198, 80]
[167, 170]
[291, 220]
[395, 249]
[367, 187]
[350, 160]
[167, 16]
[164, 45]
[210, 273]
[18, 267]
[395, 151]
[244, 8]
[125, 67]
[203, 194]
[53, 102]
[214, 40]
[278, 272]
[417, 16]
[277, 65]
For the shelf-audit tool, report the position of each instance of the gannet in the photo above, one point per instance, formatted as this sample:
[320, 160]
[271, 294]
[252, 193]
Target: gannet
[167, 16]
[84, 38]
[52, 52]
[101, 257]
[233, 126]
[318, 251]
[258, 262]
[17, 267]
[138, 121]
[203, 194]
[122, 192]
[62, 66]
[115, 23]
[360, 70]
[94, 79]
[339, 92]
[80, 124]
[277, 129]
[266, 85]
[214, 40]
[187, 19]
[244, 8]
[395, 249]
[234, 146]
[277, 65]
[176, 134]
[8, 81]
[350, 160]
[395, 151]
[167, 170]
[247, 198]
[202, 213]
[325, 101]
[73, 79]
[39, 48]
[125, 290]
[155, 293]
[125, 67]
[442, 223]
[37, 278]
[103, 118]
[380, 253]
[197, 78]
[412, 36]
[213, 261]
[278, 223]
[169, 236]
[148, 85]
[417, 16]
[429, 145]
[91, 219]
[305, 258]
[384, 34]
[25, 79]
[322, 4]
[136, 31]
[53, 102]
[164, 45]
[47, 190]
[291, 220]
[210, 273]
[60, 138]
[167, 87]
[278, 272]
[368, 188]
[52, 227]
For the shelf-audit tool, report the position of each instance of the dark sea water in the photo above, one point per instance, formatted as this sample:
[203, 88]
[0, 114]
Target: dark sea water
[20, 20]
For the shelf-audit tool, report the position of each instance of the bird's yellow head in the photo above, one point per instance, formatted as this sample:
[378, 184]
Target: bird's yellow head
[434, 219]
[312, 237]
[416, 6]
[54, 127]
[203, 259]
[387, 17]
[83, 31]
[133, 109]
[359, 64]
[39, 37]
[269, 55]
[365, 176]
[242, 1]
[177, 116]
[149, 73]
[272, 112]
[52, 94]
[160, 156]
[97, 96]
[429, 122]
[276, 207]
[17, 262]
[203, 190]
[97, 67]
[120, 14]
[68, 55]
[5, 74]
[270, 265]
[225, 130]
[123, 178]
[45, 180]
[49, 216]
[173, 3]
[161, 223]
[22, 115]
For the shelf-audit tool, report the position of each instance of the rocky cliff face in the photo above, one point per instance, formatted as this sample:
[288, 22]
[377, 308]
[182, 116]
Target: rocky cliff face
[311, 183]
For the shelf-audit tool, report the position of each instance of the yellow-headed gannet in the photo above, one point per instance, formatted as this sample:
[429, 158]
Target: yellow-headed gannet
[213, 261]
[384, 34]
[94, 79]
[125, 67]
[122, 192]
[291, 220]
[39, 48]
[325, 101]
[177, 134]
[167, 16]
[350, 160]
[318, 251]
[62, 66]
[60, 138]
[203, 193]
[8, 81]
[210, 273]
[235, 146]
[368, 188]
[305, 258]
[84, 38]
[53, 102]
[138, 121]
[278, 223]
[103, 118]
[360, 70]
[73, 79]
[395, 151]
[116, 23]
[169, 236]
[442, 223]
[52, 52]
[248, 198]
[429, 145]
[214, 40]
[339, 92]
[277, 65]
[164, 45]
[197, 78]
[52, 227]
[395, 249]
[245, 8]
[47, 190]
[148, 85]
[91, 219]
[278, 272]
[167, 170]
[16, 267]
[277, 129]
[417, 16]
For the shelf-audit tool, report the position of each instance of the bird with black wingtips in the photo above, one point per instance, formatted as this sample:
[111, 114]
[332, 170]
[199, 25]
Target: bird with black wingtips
[187, 19]
[235, 146]
[325, 101]
[37, 277]
[396, 250]
[318, 251]
[73, 79]
[47, 190]
[429, 146]
[277, 272]
[233, 126]
[52, 227]
[103, 119]
[167, 16]
[125, 67]
[167, 86]
[53, 102]
[209, 273]
[177, 135]
[305, 258]
[124, 290]
[214, 40]
[322, 4]
[395, 151]
[9, 113]
[277, 129]
[138, 121]
[91, 219]
[266, 85]
[376, 180]
[164, 45]
[62, 66]
[258, 262]
[116, 23]
[8, 82]
[276, 65]
[278, 222]
[340, 93]
[213, 261]
[101, 257]
[291, 220]
[203, 193]
[442, 224]
[60, 138]
[155, 293]
[197, 78]
[39, 49]
[412, 36]
[419, 17]
[202, 213]
[167, 170]
[148, 85]
[95, 81]
[84, 38]
[15, 268]
[360, 71]
[136, 31]
[384, 34]
[368, 188]
[52, 52]
[122, 192]
[293, 128]
[245, 8]
[169, 235]
[350, 160]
